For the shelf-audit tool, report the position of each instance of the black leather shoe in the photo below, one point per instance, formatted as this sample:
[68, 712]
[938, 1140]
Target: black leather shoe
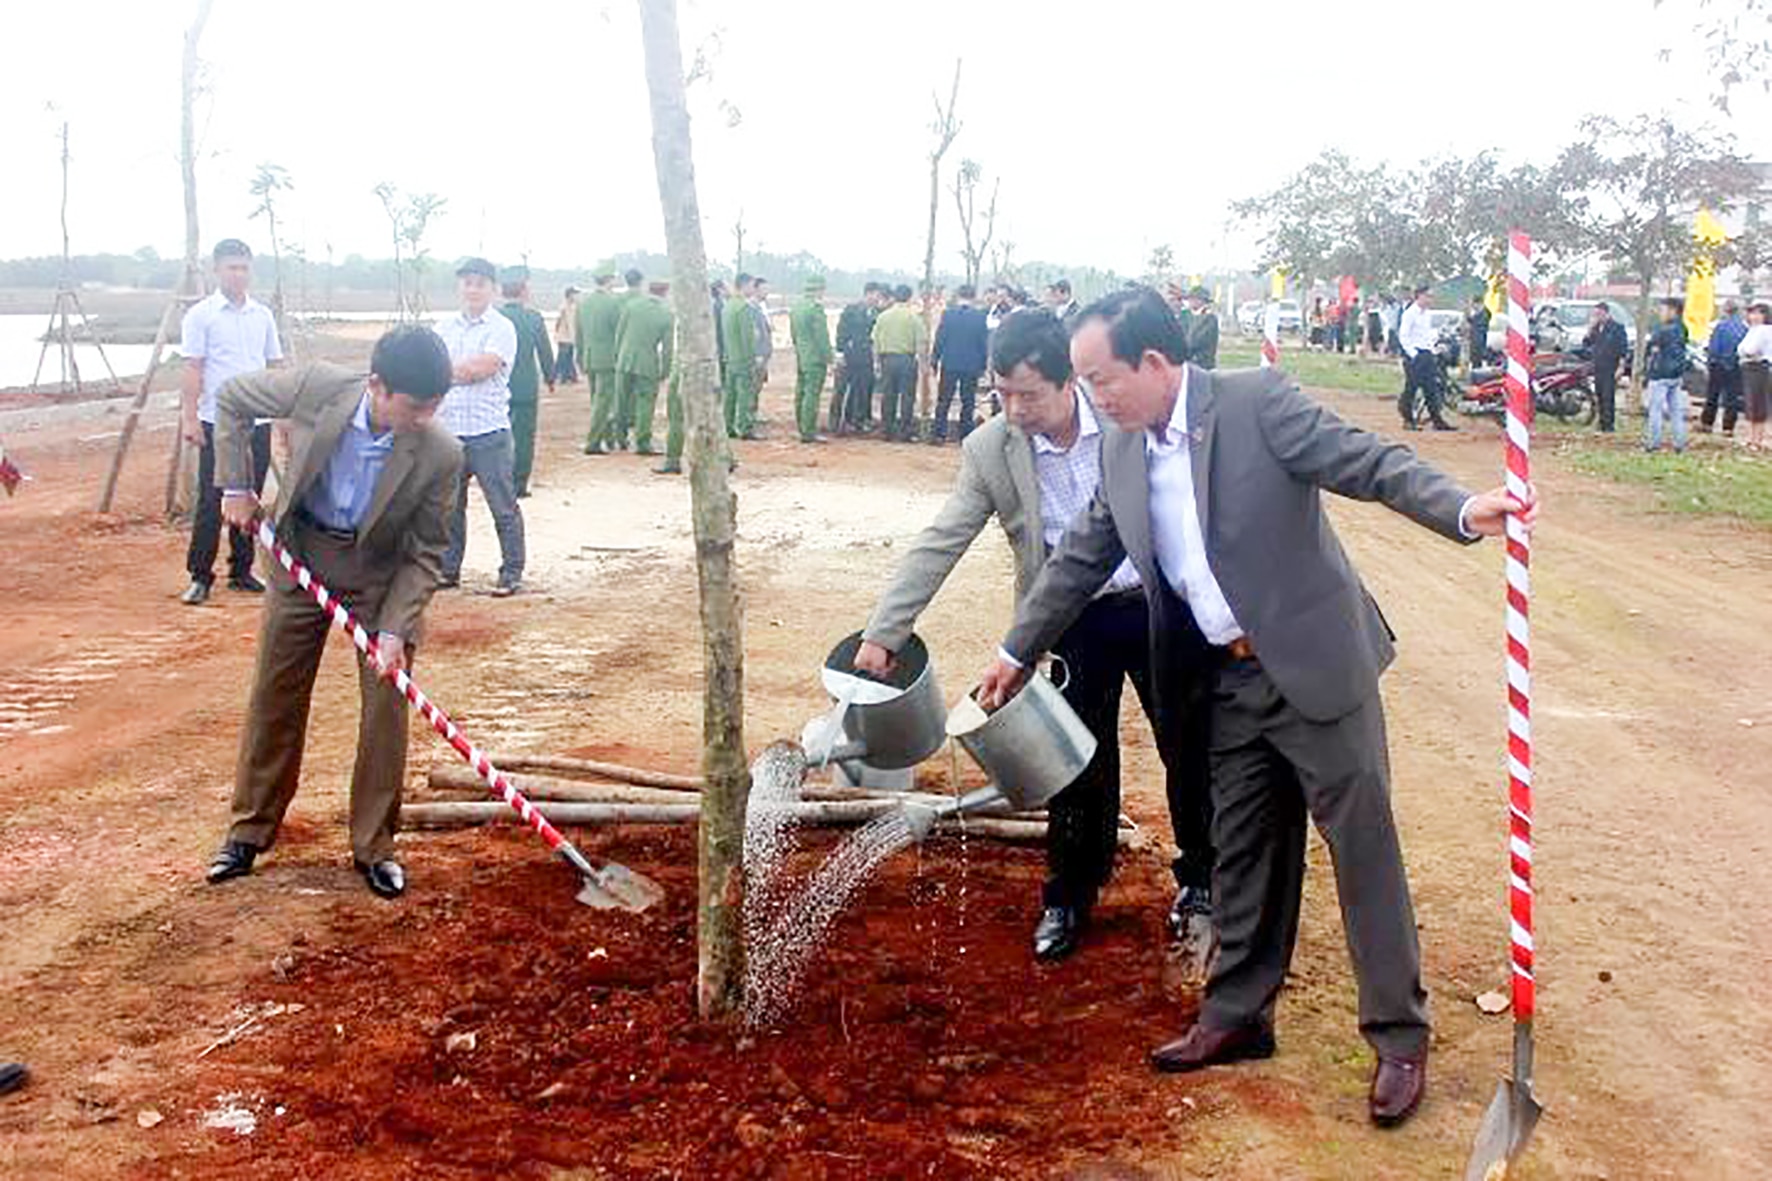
[13, 1075]
[1397, 1087]
[247, 584]
[386, 878]
[1059, 931]
[233, 860]
[196, 594]
[1441, 424]
[1203, 1046]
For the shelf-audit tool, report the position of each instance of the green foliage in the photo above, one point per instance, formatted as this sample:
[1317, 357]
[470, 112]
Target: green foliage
[1316, 370]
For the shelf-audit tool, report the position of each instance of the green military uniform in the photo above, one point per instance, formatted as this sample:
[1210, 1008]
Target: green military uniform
[599, 314]
[812, 356]
[741, 371]
[643, 356]
[621, 413]
[535, 357]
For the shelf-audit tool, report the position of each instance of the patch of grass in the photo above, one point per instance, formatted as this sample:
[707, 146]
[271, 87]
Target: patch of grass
[1331, 371]
[1706, 480]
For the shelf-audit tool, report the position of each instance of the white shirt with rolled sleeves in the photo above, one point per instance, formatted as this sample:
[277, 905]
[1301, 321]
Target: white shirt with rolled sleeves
[230, 339]
[1417, 331]
[1068, 479]
[484, 406]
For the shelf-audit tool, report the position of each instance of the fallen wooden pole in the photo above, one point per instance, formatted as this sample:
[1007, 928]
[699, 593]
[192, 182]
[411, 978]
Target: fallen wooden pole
[831, 813]
[634, 775]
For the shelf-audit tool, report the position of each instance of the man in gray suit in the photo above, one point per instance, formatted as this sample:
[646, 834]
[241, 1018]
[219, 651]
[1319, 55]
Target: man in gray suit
[1214, 492]
[1035, 468]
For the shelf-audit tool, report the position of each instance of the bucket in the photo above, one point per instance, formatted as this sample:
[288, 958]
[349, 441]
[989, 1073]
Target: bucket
[889, 722]
[1033, 747]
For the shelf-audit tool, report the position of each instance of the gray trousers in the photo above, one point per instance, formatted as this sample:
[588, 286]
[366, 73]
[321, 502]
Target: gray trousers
[490, 459]
[1270, 767]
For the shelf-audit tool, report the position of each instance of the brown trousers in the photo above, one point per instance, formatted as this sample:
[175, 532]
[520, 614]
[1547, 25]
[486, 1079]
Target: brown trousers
[289, 649]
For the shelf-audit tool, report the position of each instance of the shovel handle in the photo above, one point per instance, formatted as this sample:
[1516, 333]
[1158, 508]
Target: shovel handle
[1519, 633]
[341, 617]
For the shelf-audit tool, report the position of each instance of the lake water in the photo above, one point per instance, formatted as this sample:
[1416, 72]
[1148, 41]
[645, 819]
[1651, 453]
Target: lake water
[20, 347]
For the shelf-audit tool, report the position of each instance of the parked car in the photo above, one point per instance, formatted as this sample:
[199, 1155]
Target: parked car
[1249, 317]
[1559, 324]
[1291, 315]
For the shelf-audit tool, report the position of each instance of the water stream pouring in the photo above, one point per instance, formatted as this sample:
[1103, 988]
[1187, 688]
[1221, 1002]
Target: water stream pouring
[1033, 747]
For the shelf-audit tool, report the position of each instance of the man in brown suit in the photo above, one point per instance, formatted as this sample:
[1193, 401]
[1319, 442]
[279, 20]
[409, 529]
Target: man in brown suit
[371, 484]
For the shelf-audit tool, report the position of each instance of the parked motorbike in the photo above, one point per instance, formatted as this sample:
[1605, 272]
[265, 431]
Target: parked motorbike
[1562, 387]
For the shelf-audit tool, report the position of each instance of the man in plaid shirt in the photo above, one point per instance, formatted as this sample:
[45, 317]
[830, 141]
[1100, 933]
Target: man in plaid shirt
[1035, 467]
[477, 410]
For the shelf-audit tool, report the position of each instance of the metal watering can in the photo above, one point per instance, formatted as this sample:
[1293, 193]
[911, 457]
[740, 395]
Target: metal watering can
[888, 723]
[1033, 747]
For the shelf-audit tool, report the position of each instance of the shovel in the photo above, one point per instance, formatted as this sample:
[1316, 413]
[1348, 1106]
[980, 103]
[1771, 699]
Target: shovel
[1508, 1123]
[603, 886]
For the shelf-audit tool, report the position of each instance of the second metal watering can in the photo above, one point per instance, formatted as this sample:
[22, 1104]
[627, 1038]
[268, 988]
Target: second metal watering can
[888, 723]
[1033, 747]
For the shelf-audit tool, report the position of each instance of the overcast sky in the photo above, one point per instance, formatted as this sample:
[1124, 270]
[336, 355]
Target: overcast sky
[1114, 125]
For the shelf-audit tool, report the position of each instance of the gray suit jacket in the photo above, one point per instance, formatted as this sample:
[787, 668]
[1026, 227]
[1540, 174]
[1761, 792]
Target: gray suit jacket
[1262, 452]
[407, 525]
[996, 478]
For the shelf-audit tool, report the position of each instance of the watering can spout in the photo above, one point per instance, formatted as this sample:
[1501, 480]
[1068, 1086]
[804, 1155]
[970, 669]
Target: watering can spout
[921, 818]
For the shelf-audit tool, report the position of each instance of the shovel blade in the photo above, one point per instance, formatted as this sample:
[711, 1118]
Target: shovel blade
[616, 887]
[1506, 1127]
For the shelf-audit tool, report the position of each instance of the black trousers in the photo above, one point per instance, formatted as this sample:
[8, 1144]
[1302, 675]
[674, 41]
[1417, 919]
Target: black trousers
[856, 392]
[898, 394]
[967, 385]
[1606, 393]
[207, 520]
[1421, 372]
[1107, 645]
[1271, 768]
[1722, 390]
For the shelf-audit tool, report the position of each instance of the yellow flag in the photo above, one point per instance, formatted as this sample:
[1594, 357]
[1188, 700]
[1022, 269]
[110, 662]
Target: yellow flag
[1701, 285]
[1277, 287]
[1495, 298]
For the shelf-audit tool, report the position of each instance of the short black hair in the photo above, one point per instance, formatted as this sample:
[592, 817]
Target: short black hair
[1674, 302]
[870, 287]
[1036, 338]
[717, 287]
[1762, 307]
[232, 248]
[743, 278]
[513, 288]
[1138, 321]
[1421, 290]
[412, 360]
[902, 293]
[633, 276]
[965, 291]
[1062, 286]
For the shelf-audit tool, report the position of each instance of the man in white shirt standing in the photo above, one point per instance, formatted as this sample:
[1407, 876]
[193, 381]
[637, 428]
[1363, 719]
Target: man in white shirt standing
[1421, 364]
[1213, 488]
[477, 410]
[1036, 467]
[225, 335]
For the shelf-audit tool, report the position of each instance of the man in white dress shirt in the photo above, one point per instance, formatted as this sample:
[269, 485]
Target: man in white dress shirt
[224, 336]
[1421, 364]
[477, 410]
[1213, 488]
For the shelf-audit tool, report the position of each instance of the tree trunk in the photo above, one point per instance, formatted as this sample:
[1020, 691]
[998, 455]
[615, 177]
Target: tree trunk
[719, 926]
[1645, 303]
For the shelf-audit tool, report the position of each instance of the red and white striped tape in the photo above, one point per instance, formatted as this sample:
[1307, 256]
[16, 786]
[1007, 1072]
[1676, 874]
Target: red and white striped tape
[1270, 335]
[475, 757]
[1519, 635]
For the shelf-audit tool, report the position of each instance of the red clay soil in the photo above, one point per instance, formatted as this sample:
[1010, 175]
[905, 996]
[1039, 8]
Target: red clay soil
[927, 1042]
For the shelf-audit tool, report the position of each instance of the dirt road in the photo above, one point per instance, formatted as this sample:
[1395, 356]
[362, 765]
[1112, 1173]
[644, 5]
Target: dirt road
[118, 719]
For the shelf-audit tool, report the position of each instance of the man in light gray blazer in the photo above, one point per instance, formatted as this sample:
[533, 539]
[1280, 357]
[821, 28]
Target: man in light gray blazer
[1035, 468]
[1213, 490]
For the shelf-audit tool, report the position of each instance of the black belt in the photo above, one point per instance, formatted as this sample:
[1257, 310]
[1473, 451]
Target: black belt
[307, 520]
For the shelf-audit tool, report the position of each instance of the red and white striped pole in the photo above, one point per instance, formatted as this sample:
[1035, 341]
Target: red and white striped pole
[1519, 655]
[475, 757]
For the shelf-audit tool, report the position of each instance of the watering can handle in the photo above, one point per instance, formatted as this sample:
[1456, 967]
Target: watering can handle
[1059, 664]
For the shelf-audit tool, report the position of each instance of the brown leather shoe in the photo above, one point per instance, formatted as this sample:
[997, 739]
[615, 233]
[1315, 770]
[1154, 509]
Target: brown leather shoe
[1203, 1046]
[1397, 1087]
